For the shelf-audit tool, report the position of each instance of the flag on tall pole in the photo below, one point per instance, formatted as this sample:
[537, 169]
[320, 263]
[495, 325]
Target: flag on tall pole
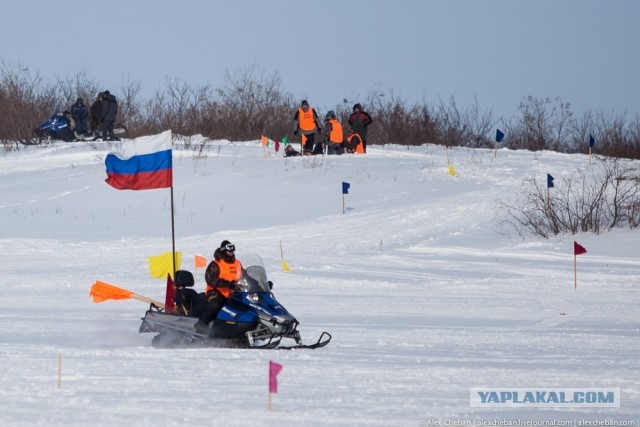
[274, 370]
[549, 185]
[345, 190]
[143, 163]
[499, 138]
[577, 250]
[592, 142]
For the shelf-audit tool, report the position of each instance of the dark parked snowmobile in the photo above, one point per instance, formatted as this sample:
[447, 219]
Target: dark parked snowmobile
[58, 127]
[251, 318]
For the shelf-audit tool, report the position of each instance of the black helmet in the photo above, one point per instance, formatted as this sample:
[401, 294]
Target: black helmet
[330, 115]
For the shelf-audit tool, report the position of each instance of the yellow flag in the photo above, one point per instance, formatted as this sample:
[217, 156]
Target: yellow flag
[451, 170]
[161, 265]
[285, 266]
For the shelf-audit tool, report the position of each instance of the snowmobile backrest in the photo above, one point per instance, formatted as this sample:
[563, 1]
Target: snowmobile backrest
[184, 279]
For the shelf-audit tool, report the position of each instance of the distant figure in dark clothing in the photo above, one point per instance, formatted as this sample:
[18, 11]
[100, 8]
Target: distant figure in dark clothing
[359, 121]
[95, 115]
[109, 113]
[79, 113]
[289, 151]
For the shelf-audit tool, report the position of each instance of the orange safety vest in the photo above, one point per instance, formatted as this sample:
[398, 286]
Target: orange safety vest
[359, 147]
[336, 132]
[229, 272]
[305, 120]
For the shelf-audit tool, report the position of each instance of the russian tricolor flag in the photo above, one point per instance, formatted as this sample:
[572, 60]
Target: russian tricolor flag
[143, 164]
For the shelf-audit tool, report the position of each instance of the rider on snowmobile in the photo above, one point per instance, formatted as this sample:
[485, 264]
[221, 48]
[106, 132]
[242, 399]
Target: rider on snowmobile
[222, 277]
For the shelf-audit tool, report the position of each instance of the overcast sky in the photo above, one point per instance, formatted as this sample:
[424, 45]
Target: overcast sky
[500, 51]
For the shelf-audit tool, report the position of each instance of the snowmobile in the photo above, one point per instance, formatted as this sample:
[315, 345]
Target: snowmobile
[58, 127]
[251, 318]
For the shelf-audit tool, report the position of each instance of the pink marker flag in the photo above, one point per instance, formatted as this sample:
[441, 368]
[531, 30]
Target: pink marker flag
[274, 370]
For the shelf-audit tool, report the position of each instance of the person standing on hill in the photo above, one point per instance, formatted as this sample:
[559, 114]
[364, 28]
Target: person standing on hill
[109, 113]
[359, 120]
[306, 122]
[95, 116]
[79, 113]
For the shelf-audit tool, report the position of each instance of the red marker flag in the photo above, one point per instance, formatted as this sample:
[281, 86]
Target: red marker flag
[578, 249]
[169, 307]
[274, 370]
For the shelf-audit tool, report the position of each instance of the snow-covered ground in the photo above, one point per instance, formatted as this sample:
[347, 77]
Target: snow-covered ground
[424, 295]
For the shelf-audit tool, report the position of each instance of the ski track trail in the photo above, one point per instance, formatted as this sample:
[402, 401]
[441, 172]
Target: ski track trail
[423, 297]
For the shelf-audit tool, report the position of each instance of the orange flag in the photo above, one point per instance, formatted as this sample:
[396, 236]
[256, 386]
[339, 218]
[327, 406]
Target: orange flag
[304, 139]
[264, 140]
[101, 291]
[201, 262]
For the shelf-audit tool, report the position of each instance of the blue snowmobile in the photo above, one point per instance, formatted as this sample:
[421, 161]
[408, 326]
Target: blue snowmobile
[251, 318]
[56, 127]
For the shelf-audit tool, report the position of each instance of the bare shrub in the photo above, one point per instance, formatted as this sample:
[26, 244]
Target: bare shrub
[593, 200]
[543, 124]
[396, 122]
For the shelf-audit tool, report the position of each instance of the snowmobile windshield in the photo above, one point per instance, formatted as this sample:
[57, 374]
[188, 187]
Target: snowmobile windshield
[254, 275]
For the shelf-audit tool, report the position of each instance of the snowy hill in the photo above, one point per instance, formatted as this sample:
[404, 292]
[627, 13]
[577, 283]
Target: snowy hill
[423, 295]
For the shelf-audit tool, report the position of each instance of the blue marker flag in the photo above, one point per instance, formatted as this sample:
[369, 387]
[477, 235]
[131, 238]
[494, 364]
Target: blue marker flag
[550, 181]
[499, 135]
[592, 141]
[345, 187]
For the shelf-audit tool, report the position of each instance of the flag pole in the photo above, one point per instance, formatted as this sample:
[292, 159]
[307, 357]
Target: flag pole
[59, 370]
[548, 202]
[575, 271]
[269, 401]
[589, 156]
[173, 228]
[342, 203]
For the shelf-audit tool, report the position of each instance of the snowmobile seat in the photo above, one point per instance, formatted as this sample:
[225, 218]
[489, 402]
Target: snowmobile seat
[187, 300]
[184, 279]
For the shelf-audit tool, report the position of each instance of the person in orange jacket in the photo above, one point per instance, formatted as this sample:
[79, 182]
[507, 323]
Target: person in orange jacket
[306, 123]
[222, 277]
[333, 135]
[354, 143]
